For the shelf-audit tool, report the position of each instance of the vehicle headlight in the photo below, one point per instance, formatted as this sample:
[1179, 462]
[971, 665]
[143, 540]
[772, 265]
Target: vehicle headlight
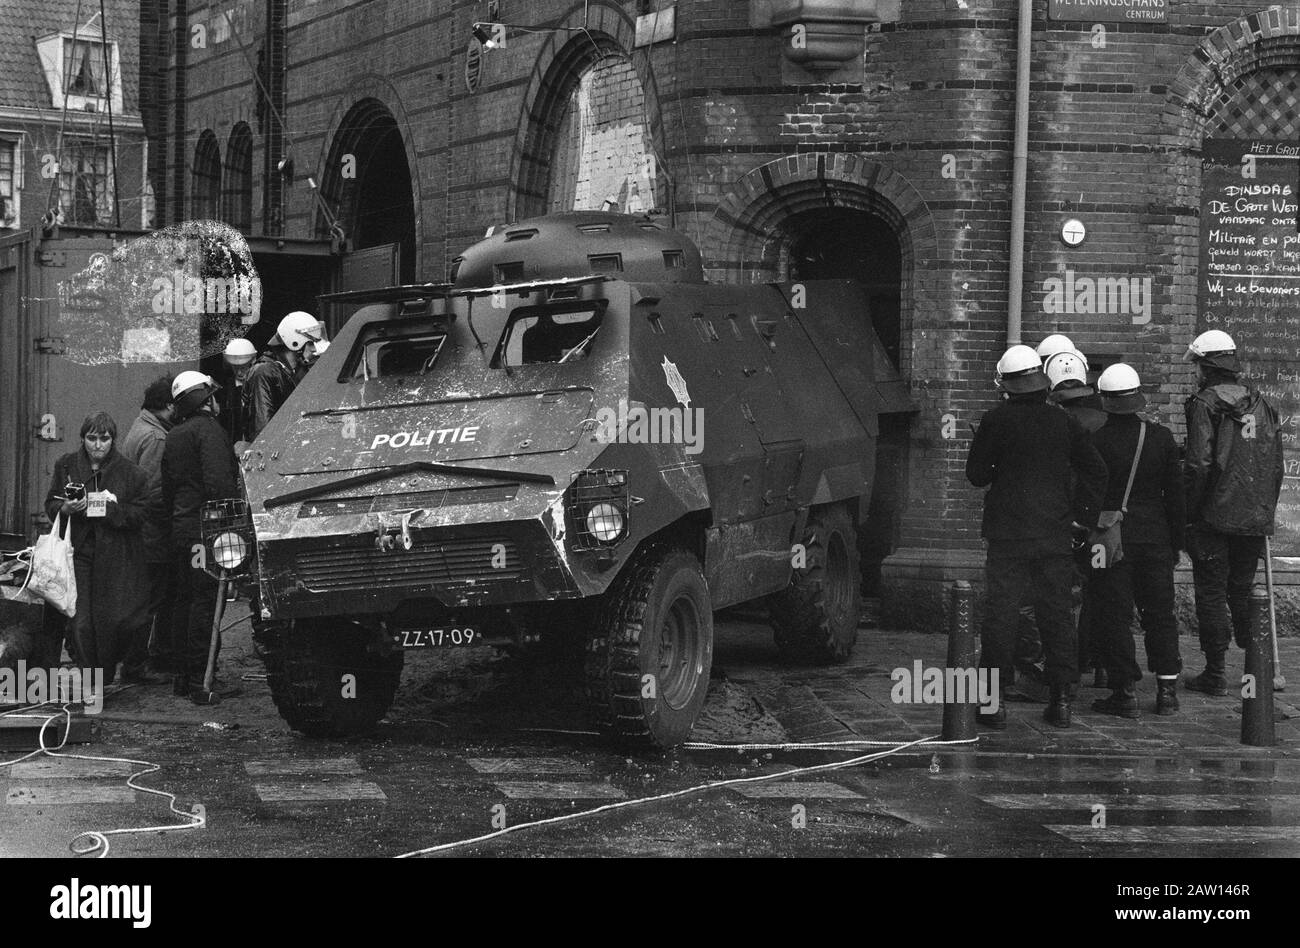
[596, 508]
[229, 550]
[605, 522]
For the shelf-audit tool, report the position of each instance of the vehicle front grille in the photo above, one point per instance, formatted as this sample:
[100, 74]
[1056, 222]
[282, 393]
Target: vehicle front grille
[427, 499]
[454, 563]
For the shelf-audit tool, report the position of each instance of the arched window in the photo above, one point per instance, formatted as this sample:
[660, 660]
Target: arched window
[206, 189]
[237, 183]
[590, 139]
[602, 157]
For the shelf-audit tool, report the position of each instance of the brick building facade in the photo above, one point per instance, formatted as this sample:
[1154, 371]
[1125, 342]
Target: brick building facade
[73, 146]
[893, 166]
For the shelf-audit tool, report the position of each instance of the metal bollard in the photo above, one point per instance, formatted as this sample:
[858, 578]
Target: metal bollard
[1257, 698]
[959, 718]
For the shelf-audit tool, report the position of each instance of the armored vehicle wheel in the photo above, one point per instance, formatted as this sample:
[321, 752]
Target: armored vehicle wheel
[307, 664]
[650, 651]
[815, 620]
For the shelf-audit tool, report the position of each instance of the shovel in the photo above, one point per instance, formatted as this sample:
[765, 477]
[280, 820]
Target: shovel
[1279, 680]
[206, 695]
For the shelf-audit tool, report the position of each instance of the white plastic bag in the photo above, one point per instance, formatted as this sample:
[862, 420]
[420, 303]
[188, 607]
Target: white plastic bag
[18, 562]
[52, 576]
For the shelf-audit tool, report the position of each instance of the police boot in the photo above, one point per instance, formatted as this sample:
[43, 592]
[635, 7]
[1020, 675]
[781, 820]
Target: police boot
[1058, 706]
[1212, 681]
[1122, 703]
[1166, 695]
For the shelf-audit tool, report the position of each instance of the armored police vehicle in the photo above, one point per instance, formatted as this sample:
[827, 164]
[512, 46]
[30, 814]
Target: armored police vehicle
[577, 435]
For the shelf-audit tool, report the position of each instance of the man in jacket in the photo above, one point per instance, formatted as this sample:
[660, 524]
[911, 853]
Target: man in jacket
[1233, 475]
[1151, 533]
[1067, 377]
[1033, 457]
[198, 465]
[144, 446]
[239, 356]
[1067, 373]
[269, 384]
[277, 371]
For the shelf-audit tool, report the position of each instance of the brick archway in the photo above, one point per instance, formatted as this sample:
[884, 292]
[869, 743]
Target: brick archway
[564, 57]
[744, 241]
[1267, 39]
[373, 97]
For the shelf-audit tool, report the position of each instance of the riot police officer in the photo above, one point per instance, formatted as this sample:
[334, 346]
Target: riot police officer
[1042, 475]
[1233, 475]
[1146, 485]
[278, 370]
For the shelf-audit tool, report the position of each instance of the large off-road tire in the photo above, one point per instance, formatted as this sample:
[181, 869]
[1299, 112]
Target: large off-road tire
[306, 665]
[650, 650]
[815, 619]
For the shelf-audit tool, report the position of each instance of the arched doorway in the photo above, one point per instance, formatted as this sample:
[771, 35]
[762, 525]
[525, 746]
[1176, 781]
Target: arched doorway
[842, 216]
[844, 243]
[366, 182]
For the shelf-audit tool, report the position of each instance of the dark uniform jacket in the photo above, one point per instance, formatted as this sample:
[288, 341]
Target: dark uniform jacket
[143, 446]
[1025, 452]
[1086, 411]
[268, 385]
[1156, 512]
[198, 465]
[110, 546]
[1232, 480]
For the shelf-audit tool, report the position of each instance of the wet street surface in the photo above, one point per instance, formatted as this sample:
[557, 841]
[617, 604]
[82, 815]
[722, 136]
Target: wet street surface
[478, 740]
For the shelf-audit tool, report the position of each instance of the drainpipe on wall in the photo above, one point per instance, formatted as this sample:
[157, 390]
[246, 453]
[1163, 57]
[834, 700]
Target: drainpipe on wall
[1019, 164]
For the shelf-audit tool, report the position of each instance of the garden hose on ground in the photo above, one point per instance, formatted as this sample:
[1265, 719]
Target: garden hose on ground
[97, 840]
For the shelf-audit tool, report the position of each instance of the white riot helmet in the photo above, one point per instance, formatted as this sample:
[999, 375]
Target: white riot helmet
[1121, 390]
[296, 330]
[1215, 348]
[1067, 374]
[190, 390]
[239, 351]
[1020, 371]
[1053, 344]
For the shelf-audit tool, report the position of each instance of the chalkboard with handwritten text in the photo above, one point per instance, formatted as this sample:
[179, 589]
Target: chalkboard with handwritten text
[1249, 285]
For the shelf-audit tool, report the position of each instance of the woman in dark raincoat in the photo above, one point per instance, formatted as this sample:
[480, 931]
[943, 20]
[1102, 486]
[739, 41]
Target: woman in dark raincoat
[108, 552]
